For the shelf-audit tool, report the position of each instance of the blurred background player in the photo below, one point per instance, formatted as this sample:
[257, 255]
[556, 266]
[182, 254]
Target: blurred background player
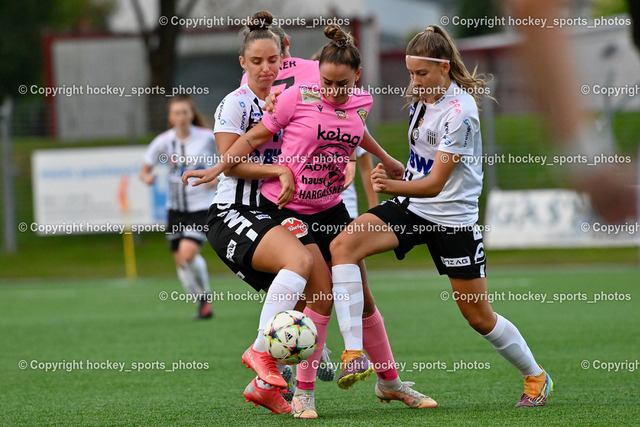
[187, 145]
[439, 195]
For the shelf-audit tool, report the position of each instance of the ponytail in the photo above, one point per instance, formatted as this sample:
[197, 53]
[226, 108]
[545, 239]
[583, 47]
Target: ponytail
[341, 50]
[435, 42]
[258, 27]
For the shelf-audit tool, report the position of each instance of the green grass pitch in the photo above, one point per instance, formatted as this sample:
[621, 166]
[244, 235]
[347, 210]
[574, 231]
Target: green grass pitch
[117, 321]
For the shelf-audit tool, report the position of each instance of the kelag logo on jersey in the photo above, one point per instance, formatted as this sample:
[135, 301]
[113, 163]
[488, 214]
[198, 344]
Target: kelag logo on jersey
[337, 135]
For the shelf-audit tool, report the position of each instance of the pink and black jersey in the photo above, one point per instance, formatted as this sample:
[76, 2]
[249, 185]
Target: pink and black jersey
[316, 145]
[293, 71]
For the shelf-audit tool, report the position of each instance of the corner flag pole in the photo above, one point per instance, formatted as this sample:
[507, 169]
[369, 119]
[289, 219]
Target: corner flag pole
[127, 236]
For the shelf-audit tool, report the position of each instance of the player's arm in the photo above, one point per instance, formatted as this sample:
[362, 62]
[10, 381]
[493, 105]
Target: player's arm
[150, 159]
[428, 187]
[349, 171]
[271, 101]
[145, 174]
[394, 167]
[235, 148]
[365, 164]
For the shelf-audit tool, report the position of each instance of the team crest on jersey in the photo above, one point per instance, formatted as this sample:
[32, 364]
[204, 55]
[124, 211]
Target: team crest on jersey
[363, 115]
[309, 96]
[432, 138]
[415, 134]
[297, 227]
[341, 114]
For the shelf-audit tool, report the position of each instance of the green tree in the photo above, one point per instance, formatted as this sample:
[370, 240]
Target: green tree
[478, 10]
[609, 7]
[22, 24]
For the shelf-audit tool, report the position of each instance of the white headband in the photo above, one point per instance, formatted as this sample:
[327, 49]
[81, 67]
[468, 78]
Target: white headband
[427, 58]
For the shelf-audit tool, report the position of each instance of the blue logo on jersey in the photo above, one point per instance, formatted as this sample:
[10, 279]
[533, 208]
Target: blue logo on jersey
[419, 163]
[270, 155]
[242, 104]
[222, 122]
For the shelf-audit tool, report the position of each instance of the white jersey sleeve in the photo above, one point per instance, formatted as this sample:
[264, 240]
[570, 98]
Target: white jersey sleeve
[156, 147]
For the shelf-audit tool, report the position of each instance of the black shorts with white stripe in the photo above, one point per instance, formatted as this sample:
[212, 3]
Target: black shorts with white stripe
[186, 225]
[458, 252]
[234, 233]
[319, 228]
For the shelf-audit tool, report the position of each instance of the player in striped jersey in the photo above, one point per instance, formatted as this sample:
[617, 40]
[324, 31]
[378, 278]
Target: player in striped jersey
[436, 202]
[188, 145]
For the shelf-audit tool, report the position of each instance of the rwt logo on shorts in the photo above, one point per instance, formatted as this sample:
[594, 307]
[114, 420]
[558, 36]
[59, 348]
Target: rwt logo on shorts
[233, 219]
[456, 262]
[231, 249]
[297, 227]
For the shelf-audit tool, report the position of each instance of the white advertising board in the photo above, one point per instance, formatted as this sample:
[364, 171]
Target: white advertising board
[550, 219]
[75, 191]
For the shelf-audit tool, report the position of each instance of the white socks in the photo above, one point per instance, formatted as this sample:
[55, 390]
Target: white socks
[188, 280]
[283, 295]
[348, 300]
[199, 268]
[506, 339]
[194, 276]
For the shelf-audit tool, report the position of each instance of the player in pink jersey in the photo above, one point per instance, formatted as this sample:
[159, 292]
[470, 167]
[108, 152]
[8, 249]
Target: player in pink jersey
[292, 71]
[324, 123]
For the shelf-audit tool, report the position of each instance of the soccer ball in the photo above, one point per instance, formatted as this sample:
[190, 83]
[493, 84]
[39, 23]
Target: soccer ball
[290, 337]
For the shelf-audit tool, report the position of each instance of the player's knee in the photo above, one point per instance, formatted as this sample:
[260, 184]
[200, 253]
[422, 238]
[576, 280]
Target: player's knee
[303, 263]
[480, 323]
[340, 249]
